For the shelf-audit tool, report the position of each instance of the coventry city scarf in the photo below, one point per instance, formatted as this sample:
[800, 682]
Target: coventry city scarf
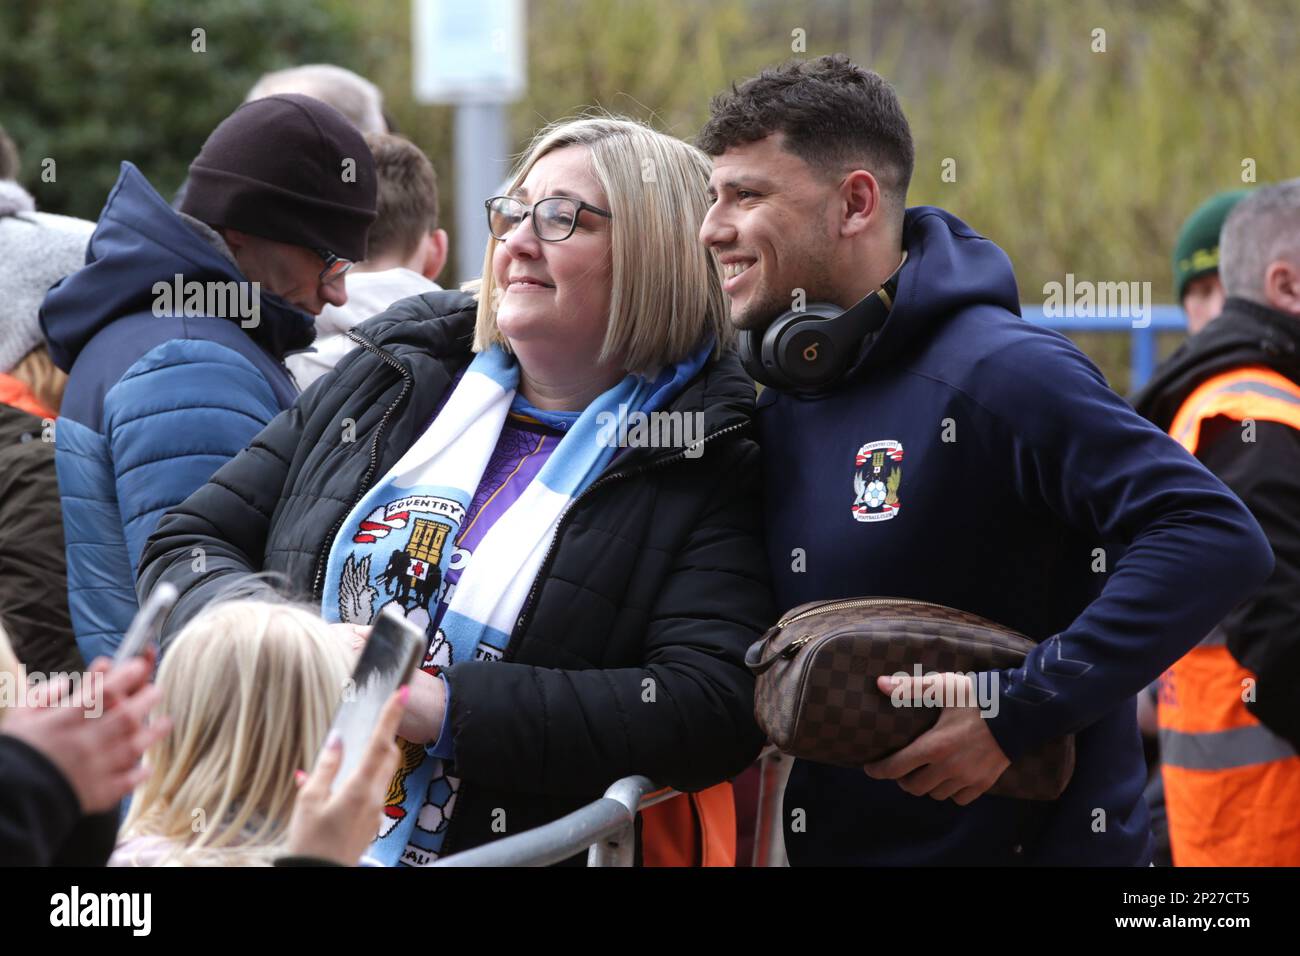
[398, 543]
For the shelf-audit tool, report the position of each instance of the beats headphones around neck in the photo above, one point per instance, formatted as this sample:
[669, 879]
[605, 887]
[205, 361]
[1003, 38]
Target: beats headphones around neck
[808, 350]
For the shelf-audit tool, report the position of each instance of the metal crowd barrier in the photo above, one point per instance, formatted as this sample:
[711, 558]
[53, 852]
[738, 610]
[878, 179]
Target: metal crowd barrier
[1142, 339]
[769, 829]
[606, 829]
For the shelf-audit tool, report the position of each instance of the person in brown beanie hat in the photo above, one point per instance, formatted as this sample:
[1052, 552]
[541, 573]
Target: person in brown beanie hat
[290, 184]
[174, 333]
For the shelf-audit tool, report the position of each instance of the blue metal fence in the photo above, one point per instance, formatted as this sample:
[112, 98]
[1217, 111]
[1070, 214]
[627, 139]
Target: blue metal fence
[1142, 341]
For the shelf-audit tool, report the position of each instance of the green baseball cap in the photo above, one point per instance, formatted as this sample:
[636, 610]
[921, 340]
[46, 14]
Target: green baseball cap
[1196, 253]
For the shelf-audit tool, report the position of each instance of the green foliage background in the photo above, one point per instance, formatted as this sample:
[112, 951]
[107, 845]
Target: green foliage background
[1072, 160]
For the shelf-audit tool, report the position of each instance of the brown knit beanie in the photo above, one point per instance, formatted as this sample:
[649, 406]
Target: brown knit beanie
[288, 168]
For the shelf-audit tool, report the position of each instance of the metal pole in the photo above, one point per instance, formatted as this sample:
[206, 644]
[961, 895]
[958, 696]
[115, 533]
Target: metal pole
[481, 162]
[769, 835]
[617, 850]
[605, 828]
[1143, 357]
[620, 849]
[553, 843]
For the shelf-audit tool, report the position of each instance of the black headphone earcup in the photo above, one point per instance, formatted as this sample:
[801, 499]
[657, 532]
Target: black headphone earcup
[810, 349]
[807, 354]
[749, 344]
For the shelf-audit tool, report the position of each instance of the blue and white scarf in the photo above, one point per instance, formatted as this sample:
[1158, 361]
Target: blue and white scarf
[423, 501]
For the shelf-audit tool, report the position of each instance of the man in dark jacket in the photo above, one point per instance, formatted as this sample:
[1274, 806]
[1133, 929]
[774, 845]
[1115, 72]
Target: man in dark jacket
[175, 332]
[653, 575]
[1009, 477]
[1229, 712]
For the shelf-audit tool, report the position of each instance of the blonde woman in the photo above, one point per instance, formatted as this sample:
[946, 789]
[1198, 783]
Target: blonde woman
[554, 480]
[250, 688]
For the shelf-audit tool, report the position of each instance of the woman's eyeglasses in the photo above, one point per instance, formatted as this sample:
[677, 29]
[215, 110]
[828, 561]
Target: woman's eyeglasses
[554, 218]
[334, 266]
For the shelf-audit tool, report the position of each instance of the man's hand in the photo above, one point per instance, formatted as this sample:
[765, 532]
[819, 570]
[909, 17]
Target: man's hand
[98, 753]
[958, 757]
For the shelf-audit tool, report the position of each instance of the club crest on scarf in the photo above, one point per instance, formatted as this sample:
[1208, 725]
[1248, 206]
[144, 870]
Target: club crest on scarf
[407, 570]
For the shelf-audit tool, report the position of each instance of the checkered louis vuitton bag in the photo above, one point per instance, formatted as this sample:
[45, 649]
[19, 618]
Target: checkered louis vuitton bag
[816, 695]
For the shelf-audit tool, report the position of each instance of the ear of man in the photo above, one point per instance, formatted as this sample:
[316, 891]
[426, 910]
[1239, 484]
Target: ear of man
[433, 254]
[862, 200]
[234, 238]
[1282, 286]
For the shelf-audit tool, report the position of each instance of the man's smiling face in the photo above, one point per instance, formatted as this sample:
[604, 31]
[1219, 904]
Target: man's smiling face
[773, 227]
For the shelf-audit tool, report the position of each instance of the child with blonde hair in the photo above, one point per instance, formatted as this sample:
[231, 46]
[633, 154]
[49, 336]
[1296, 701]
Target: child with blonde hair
[251, 688]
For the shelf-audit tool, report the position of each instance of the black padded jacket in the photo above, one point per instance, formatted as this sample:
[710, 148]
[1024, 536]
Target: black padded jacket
[628, 654]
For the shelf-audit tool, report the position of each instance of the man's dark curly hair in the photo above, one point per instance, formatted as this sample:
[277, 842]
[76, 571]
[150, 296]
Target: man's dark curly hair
[833, 115]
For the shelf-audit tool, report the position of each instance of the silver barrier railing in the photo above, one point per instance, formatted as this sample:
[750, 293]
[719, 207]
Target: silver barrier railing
[769, 830]
[606, 828]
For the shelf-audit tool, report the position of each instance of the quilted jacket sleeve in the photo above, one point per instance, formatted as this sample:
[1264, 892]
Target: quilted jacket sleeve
[180, 413]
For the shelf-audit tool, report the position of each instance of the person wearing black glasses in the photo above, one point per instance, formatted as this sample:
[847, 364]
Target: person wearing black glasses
[587, 588]
[174, 333]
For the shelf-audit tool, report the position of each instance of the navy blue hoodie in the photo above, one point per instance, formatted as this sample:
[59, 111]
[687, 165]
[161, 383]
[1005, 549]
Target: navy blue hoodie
[154, 404]
[1008, 477]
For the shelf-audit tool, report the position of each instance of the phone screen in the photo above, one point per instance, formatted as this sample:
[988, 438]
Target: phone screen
[386, 663]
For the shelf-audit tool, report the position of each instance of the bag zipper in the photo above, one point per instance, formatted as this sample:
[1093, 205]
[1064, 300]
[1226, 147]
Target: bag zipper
[448, 845]
[407, 382]
[859, 602]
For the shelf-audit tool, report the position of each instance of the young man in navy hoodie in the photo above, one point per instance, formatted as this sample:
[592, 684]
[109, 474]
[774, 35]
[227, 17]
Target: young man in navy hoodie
[952, 452]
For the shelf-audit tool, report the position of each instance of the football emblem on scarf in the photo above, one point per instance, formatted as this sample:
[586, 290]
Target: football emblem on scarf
[876, 480]
[406, 569]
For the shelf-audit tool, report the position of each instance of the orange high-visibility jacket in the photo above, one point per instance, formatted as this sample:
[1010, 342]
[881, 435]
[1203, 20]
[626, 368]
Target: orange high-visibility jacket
[1232, 786]
[691, 829]
[19, 395]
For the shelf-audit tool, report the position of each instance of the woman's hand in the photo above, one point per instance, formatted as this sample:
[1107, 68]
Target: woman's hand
[422, 720]
[339, 826]
[354, 635]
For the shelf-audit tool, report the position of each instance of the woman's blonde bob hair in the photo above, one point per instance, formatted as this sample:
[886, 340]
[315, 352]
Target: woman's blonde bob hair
[666, 290]
[251, 688]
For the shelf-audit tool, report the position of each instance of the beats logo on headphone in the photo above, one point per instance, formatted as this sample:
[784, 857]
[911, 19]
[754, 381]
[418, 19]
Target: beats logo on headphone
[808, 350]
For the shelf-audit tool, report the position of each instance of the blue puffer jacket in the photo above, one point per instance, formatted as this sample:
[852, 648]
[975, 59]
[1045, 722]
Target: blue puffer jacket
[153, 405]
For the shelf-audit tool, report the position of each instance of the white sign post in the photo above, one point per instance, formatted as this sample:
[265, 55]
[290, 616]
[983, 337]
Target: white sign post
[472, 56]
